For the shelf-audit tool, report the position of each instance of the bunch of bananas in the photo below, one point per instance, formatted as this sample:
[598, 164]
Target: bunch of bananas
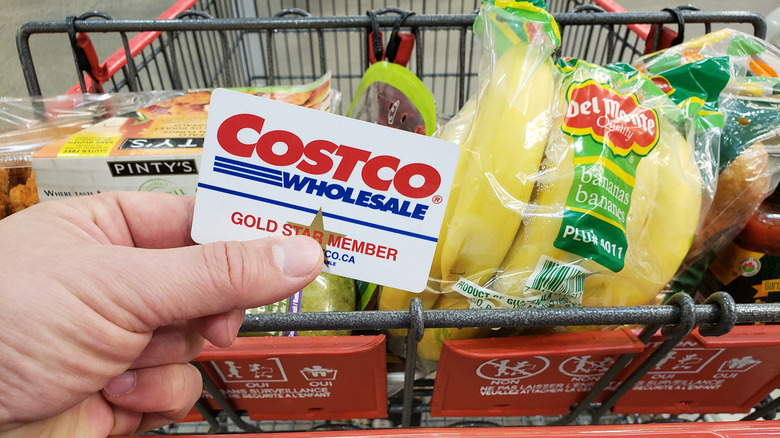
[513, 188]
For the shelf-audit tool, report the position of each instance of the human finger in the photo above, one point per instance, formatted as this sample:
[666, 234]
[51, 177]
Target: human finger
[169, 390]
[221, 330]
[150, 289]
[151, 421]
[179, 342]
[140, 219]
[127, 422]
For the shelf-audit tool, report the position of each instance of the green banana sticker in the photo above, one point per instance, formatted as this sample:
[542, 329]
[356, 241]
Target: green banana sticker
[610, 133]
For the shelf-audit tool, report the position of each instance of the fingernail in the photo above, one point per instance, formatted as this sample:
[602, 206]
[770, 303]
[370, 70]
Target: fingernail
[231, 328]
[297, 255]
[122, 384]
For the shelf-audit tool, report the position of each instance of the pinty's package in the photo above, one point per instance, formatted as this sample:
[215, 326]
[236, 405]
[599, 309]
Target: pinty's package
[29, 123]
[154, 148]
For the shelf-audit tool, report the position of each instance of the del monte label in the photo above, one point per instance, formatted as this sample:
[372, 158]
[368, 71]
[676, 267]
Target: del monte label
[615, 120]
[610, 133]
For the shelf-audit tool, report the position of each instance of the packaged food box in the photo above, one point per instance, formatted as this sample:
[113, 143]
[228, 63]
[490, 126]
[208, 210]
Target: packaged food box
[29, 123]
[154, 148]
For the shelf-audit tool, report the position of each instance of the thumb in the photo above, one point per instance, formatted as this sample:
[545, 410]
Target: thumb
[161, 286]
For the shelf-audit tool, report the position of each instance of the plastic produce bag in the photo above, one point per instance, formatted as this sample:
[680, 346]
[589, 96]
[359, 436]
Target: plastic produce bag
[598, 231]
[391, 95]
[502, 147]
[746, 155]
[27, 124]
[501, 131]
[748, 172]
[748, 55]
[327, 293]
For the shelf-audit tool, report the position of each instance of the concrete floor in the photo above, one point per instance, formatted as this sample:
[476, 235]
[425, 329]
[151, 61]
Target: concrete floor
[53, 51]
[55, 64]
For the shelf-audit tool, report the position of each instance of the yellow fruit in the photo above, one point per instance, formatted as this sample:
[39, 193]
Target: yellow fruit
[661, 222]
[456, 130]
[498, 164]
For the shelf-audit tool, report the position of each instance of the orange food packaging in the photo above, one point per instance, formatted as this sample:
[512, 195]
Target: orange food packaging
[156, 148]
[30, 123]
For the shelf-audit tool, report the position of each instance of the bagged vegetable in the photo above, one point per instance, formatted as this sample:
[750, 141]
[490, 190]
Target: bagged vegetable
[749, 160]
[745, 154]
[327, 293]
[748, 55]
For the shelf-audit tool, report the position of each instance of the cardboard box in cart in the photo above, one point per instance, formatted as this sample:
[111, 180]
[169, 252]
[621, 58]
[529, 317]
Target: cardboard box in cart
[156, 148]
[138, 151]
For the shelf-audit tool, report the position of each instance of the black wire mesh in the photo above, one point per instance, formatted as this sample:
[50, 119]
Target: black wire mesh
[249, 52]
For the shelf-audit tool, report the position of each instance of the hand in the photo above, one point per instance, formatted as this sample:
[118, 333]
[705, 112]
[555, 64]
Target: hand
[105, 300]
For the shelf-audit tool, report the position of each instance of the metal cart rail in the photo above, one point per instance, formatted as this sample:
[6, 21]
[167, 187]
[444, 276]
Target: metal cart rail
[205, 49]
[231, 43]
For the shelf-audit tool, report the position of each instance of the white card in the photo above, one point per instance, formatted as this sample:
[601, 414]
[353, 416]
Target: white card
[372, 196]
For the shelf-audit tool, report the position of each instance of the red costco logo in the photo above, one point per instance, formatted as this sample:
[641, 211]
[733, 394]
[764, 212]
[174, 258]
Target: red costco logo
[320, 157]
[613, 119]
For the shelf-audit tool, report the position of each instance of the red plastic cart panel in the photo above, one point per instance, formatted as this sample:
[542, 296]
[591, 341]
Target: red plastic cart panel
[526, 375]
[302, 378]
[726, 374]
[747, 429]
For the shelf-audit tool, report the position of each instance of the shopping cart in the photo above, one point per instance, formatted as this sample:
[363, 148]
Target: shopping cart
[206, 44]
[246, 44]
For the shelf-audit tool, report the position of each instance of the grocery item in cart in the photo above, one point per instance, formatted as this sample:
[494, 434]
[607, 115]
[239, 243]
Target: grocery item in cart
[598, 230]
[502, 147]
[27, 124]
[156, 148]
[395, 299]
[747, 174]
[501, 132]
[744, 173]
[748, 55]
[327, 293]
[748, 268]
[391, 95]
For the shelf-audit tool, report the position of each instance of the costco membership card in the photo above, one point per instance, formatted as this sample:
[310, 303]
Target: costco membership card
[372, 196]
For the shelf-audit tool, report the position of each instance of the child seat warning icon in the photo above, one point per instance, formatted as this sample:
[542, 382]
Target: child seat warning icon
[501, 369]
[318, 372]
[738, 364]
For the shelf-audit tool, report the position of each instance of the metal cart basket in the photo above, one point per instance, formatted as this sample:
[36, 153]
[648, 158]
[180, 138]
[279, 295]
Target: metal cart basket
[235, 43]
[219, 43]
